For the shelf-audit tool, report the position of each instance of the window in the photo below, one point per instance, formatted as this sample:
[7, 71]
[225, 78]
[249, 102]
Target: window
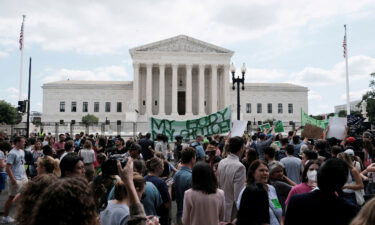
[259, 122]
[62, 106]
[269, 107]
[107, 107]
[259, 108]
[85, 107]
[290, 108]
[119, 106]
[279, 108]
[248, 108]
[96, 106]
[74, 106]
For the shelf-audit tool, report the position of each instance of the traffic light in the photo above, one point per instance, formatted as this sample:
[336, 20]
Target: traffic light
[22, 106]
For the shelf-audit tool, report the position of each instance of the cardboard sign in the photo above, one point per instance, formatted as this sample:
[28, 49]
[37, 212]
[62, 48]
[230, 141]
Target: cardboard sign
[239, 126]
[337, 126]
[311, 131]
[265, 126]
[279, 127]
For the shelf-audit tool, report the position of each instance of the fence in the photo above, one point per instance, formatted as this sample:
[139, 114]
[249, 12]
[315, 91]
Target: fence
[125, 129]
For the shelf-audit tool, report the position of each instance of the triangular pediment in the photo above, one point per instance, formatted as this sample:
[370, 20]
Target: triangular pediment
[181, 43]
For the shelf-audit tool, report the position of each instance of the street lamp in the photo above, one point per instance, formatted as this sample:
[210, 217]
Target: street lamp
[238, 80]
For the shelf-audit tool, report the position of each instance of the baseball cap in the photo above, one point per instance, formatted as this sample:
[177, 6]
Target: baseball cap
[350, 139]
[349, 152]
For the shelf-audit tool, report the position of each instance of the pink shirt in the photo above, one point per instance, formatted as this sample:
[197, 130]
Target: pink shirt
[298, 189]
[200, 208]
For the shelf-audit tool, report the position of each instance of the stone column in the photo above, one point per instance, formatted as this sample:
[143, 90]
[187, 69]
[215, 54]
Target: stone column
[136, 87]
[189, 90]
[226, 86]
[201, 90]
[214, 88]
[174, 89]
[149, 90]
[161, 89]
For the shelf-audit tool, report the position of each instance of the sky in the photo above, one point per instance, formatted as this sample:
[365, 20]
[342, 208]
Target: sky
[292, 41]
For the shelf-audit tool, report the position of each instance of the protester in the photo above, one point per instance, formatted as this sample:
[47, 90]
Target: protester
[163, 146]
[69, 147]
[117, 210]
[264, 142]
[16, 173]
[72, 165]
[293, 165]
[155, 168]
[232, 175]
[280, 182]
[249, 156]
[197, 145]
[183, 179]
[88, 156]
[367, 214]
[59, 145]
[353, 182]
[204, 202]
[147, 147]
[36, 152]
[47, 165]
[333, 210]
[31, 194]
[259, 173]
[309, 180]
[253, 206]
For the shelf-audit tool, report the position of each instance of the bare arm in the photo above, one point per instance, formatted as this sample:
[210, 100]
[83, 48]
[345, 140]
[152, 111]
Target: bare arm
[289, 181]
[137, 213]
[9, 171]
[358, 181]
[2, 163]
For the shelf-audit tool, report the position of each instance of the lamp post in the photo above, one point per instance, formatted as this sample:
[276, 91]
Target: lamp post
[238, 80]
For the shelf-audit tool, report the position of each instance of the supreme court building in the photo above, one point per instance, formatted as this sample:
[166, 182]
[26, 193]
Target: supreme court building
[178, 78]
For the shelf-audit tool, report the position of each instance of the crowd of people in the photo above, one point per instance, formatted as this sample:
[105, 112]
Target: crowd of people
[258, 179]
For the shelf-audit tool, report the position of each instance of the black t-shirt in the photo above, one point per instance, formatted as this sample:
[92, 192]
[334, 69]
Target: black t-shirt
[146, 152]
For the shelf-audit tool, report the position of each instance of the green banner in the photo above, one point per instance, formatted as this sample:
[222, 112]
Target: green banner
[306, 119]
[279, 127]
[216, 123]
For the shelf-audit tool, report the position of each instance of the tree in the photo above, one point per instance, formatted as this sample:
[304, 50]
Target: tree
[90, 119]
[369, 97]
[342, 113]
[8, 113]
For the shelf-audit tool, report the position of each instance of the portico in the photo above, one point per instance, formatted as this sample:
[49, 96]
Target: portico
[180, 77]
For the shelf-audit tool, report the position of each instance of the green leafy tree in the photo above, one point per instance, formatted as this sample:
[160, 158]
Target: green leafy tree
[369, 97]
[8, 113]
[90, 119]
[342, 113]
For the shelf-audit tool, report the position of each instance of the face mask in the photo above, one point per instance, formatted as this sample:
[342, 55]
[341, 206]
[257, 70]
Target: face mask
[311, 175]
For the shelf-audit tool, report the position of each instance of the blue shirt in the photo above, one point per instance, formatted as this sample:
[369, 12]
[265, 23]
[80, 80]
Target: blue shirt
[200, 154]
[151, 199]
[114, 214]
[182, 182]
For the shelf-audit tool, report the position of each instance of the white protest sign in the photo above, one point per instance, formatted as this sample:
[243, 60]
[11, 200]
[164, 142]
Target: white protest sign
[239, 126]
[337, 127]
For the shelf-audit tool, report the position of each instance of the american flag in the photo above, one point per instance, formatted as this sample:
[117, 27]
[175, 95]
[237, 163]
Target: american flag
[344, 46]
[21, 34]
[344, 43]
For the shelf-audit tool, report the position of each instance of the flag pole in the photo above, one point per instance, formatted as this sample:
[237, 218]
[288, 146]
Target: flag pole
[347, 74]
[21, 59]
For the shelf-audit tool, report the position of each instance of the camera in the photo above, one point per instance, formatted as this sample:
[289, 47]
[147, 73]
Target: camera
[109, 167]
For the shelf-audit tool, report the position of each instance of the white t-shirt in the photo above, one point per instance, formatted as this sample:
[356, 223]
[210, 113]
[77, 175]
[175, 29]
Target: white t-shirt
[88, 155]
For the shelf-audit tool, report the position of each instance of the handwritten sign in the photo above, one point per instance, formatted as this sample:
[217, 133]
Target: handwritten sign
[216, 123]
